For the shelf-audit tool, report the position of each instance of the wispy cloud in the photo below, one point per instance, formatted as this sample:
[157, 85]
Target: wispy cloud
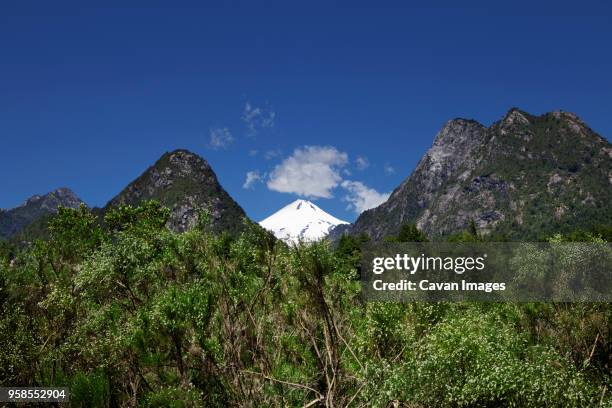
[220, 138]
[361, 197]
[253, 152]
[362, 163]
[257, 118]
[252, 177]
[271, 154]
[311, 171]
[388, 169]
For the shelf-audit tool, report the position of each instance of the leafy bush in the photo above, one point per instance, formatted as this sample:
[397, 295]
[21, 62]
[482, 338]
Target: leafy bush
[135, 314]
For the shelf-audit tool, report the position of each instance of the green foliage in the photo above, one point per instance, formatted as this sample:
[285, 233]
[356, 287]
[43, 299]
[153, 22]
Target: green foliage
[148, 215]
[7, 251]
[173, 397]
[349, 244]
[472, 229]
[471, 235]
[463, 236]
[408, 233]
[601, 232]
[89, 390]
[139, 315]
[74, 233]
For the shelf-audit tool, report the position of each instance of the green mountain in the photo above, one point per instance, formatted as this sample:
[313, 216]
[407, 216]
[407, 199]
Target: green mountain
[185, 183]
[522, 177]
[14, 221]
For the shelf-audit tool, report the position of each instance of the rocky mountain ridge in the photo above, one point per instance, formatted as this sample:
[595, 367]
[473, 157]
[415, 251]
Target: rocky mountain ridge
[14, 220]
[180, 180]
[185, 183]
[520, 177]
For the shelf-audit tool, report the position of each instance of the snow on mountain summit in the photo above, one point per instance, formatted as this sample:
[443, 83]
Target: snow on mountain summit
[300, 221]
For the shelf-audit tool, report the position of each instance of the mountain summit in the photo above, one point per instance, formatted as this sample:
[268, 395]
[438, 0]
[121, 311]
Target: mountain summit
[522, 177]
[300, 221]
[16, 219]
[184, 182]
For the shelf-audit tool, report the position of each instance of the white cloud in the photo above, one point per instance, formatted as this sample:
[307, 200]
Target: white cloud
[361, 197]
[220, 138]
[271, 154]
[252, 177]
[311, 171]
[362, 163]
[253, 152]
[257, 118]
[389, 169]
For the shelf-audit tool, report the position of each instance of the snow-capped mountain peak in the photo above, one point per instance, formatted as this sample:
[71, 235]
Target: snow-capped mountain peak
[300, 221]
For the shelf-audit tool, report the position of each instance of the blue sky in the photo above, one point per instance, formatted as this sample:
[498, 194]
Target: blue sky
[91, 96]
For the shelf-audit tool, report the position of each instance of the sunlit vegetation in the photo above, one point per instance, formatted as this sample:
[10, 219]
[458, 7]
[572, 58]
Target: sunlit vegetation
[132, 314]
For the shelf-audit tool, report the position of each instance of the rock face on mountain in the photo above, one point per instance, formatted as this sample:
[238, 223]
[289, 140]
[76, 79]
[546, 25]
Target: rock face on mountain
[185, 183]
[522, 177]
[15, 220]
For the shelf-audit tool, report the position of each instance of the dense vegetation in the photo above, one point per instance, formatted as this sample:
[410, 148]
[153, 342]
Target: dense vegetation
[137, 315]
